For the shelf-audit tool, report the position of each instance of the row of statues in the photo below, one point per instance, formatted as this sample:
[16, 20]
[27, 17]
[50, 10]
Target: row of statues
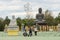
[13, 28]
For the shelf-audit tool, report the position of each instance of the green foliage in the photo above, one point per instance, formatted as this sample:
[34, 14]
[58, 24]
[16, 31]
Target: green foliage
[49, 19]
[1, 25]
[57, 19]
[7, 20]
[28, 22]
[24, 21]
[19, 22]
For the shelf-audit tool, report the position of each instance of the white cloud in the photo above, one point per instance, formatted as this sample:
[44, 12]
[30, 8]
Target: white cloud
[18, 13]
[19, 5]
[52, 1]
[10, 7]
[53, 6]
[13, 5]
[55, 14]
[23, 14]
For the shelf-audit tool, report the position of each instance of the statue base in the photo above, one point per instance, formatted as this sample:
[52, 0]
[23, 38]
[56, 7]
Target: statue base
[13, 33]
[41, 23]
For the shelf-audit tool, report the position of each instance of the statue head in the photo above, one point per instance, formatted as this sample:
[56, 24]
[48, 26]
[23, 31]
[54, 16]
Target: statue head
[13, 17]
[40, 10]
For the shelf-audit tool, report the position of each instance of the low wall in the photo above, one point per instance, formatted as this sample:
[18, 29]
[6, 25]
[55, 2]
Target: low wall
[43, 28]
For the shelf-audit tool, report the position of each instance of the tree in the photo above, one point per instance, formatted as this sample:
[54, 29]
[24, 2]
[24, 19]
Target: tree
[19, 22]
[28, 22]
[48, 17]
[24, 21]
[57, 19]
[7, 20]
[1, 24]
[31, 22]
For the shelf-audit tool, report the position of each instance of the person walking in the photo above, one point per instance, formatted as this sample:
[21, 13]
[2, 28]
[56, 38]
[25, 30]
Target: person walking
[35, 31]
[30, 31]
[25, 33]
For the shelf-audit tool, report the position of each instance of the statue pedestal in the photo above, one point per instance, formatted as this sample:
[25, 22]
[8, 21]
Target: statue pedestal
[13, 31]
[42, 26]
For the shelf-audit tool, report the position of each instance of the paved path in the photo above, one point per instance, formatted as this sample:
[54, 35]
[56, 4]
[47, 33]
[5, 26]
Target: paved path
[40, 36]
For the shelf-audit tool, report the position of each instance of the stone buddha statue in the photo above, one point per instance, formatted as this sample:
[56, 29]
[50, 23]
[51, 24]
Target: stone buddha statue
[40, 16]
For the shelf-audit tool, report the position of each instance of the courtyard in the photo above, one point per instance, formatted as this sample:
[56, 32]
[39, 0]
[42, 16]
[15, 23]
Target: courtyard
[40, 36]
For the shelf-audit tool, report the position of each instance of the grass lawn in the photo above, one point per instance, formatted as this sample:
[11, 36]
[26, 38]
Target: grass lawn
[40, 36]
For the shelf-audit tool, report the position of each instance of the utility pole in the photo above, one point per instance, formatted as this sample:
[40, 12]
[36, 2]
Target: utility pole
[28, 10]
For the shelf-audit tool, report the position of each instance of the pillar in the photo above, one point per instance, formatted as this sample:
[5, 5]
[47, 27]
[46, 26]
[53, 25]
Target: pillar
[40, 28]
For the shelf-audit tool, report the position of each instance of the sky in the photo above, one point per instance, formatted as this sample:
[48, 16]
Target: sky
[16, 7]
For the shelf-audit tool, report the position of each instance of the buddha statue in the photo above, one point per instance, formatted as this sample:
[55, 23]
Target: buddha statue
[40, 16]
[40, 22]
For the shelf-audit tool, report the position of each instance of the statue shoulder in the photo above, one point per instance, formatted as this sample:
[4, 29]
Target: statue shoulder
[37, 14]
